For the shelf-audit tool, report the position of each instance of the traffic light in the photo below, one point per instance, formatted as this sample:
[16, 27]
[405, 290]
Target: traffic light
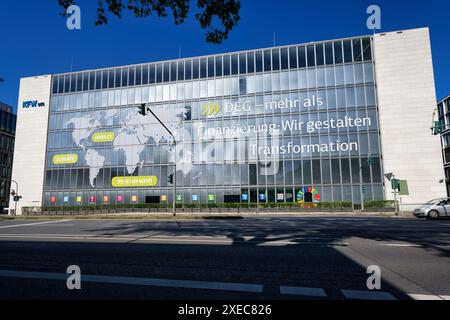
[395, 184]
[437, 127]
[142, 109]
[170, 179]
[17, 198]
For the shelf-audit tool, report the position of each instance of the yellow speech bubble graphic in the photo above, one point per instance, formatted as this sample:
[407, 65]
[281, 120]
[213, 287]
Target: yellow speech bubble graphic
[140, 181]
[103, 137]
[65, 158]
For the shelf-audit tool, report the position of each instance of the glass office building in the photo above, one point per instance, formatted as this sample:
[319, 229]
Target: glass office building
[7, 133]
[306, 123]
[262, 125]
[443, 108]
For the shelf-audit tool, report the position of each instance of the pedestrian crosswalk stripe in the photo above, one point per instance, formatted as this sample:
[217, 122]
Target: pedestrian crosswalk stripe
[367, 295]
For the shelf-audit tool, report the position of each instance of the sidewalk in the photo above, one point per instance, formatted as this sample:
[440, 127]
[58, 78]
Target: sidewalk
[203, 215]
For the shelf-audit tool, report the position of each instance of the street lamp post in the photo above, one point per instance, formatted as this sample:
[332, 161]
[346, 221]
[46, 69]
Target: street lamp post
[395, 197]
[175, 159]
[17, 194]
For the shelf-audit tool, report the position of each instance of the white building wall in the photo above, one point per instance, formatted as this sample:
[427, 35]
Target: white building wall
[406, 100]
[31, 141]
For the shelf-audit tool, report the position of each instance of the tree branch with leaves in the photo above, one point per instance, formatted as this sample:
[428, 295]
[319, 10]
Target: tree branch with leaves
[217, 17]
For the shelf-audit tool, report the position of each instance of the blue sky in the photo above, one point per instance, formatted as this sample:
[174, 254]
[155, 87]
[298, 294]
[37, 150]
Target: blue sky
[34, 39]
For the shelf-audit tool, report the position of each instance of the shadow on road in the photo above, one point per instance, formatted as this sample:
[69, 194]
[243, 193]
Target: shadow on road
[309, 259]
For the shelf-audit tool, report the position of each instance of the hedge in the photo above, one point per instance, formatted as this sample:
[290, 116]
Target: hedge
[324, 205]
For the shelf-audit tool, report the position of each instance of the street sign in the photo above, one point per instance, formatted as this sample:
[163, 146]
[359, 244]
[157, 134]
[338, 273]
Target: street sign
[389, 176]
[395, 184]
[403, 188]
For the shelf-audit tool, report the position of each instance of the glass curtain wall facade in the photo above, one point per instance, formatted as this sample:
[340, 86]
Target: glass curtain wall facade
[7, 133]
[274, 125]
[444, 118]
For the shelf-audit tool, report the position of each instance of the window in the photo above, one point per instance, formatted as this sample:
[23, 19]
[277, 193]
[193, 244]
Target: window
[329, 53]
[226, 65]
[319, 54]
[267, 60]
[203, 68]
[73, 82]
[210, 67]
[159, 73]
[348, 51]
[276, 59]
[357, 53]
[195, 68]
[251, 62]
[367, 49]
[108, 79]
[284, 59]
[91, 80]
[98, 80]
[345, 164]
[117, 77]
[173, 71]
[85, 81]
[338, 52]
[55, 84]
[368, 72]
[259, 63]
[234, 64]
[166, 72]
[61, 84]
[180, 70]
[145, 74]
[138, 75]
[219, 66]
[311, 57]
[152, 74]
[79, 81]
[131, 76]
[301, 57]
[188, 69]
[242, 63]
[293, 57]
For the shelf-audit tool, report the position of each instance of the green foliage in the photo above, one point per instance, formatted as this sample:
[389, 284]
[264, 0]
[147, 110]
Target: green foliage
[388, 204]
[203, 206]
[226, 12]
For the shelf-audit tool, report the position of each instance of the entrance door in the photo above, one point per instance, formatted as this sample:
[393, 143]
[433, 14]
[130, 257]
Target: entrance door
[308, 197]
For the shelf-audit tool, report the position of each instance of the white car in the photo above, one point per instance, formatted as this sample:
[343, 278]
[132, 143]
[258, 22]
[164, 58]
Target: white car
[434, 209]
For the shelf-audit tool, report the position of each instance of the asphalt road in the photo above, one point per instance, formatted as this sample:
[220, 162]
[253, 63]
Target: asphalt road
[250, 258]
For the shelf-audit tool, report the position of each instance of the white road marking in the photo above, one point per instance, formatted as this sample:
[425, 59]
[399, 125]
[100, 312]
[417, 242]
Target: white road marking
[32, 224]
[303, 291]
[367, 295]
[399, 245]
[162, 239]
[425, 297]
[186, 284]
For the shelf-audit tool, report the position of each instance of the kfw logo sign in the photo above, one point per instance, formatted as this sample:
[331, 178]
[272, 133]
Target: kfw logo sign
[32, 104]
